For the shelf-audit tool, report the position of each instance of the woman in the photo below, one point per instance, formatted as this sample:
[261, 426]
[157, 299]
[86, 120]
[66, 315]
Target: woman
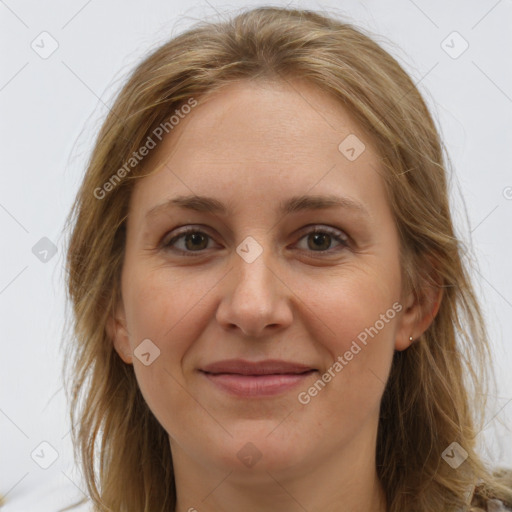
[271, 308]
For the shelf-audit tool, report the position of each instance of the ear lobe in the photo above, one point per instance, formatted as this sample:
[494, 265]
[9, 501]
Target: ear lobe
[418, 315]
[118, 334]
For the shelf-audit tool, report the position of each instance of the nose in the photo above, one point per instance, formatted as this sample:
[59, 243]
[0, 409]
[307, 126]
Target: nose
[255, 298]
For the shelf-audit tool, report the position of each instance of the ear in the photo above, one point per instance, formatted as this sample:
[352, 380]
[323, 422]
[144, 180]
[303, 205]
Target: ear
[118, 333]
[420, 309]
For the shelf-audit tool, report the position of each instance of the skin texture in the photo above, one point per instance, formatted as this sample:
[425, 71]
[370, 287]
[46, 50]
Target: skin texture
[252, 145]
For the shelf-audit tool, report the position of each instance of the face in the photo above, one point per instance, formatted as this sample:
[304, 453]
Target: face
[270, 327]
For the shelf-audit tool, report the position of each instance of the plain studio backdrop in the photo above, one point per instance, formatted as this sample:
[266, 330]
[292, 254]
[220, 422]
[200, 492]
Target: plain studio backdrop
[63, 62]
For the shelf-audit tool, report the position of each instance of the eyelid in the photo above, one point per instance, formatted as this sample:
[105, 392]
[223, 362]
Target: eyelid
[322, 228]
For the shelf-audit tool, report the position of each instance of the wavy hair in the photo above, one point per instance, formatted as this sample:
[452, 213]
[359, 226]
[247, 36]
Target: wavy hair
[436, 391]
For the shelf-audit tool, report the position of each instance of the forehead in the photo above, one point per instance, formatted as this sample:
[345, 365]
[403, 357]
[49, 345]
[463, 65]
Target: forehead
[263, 140]
[264, 121]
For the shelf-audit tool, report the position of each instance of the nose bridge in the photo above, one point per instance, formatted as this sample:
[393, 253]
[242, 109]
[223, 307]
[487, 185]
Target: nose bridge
[254, 298]
[254, 276]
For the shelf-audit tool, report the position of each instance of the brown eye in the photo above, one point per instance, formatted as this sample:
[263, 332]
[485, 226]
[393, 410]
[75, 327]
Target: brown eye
[322, 239]
[190, 240]
[195, 241]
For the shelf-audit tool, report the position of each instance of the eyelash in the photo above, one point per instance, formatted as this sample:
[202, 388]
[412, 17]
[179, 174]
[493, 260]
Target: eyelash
[336, 234]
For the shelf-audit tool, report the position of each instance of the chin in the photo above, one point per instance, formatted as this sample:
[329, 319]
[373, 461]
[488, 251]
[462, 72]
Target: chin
[258, 453]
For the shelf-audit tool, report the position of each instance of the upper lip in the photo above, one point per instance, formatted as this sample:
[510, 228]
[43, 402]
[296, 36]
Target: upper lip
[266, 367]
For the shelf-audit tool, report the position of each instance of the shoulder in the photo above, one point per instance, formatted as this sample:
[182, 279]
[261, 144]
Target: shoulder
[496, 494]
[495, 505]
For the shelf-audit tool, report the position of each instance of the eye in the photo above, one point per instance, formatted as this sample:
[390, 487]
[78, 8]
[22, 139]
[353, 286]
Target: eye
[319, 239]
[191, 240]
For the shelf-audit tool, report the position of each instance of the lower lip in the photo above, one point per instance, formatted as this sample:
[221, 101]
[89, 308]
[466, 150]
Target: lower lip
[257, 385]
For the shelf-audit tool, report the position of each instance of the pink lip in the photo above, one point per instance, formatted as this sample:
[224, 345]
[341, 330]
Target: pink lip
[253, 379]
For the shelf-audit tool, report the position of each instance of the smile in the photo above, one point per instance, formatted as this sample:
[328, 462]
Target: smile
[256, 379]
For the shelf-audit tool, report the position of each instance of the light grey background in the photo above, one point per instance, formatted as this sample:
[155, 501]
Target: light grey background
[52, 107]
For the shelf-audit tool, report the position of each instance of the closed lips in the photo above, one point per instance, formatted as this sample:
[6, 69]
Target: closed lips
[250, 380]
[260, 368]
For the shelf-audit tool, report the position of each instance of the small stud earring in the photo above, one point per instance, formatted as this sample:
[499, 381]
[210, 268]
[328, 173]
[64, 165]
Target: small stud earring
[410, 338]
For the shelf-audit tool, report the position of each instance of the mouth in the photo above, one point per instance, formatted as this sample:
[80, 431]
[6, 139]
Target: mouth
[256, 379]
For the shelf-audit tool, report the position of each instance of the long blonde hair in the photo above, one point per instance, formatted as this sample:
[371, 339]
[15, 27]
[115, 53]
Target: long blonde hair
[435, 394]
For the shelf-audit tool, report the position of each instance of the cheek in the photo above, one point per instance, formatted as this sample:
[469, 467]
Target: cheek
[359, 346]
[357, 305]
[361, 313]
[170, 311]
[160, 306]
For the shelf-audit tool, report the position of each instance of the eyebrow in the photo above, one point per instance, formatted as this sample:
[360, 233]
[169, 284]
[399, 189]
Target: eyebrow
[292, 205]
